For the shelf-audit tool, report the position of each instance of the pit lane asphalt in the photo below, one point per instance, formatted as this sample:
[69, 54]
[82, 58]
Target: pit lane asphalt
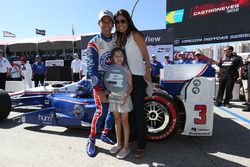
[25, 145]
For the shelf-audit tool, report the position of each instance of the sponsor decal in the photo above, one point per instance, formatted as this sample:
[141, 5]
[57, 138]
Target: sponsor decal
[193, 129]
[46, 118]
[46, 101]
[196, 82]
[105, 60]
[195, 90]
[199, 134]
[78, 110]
[160, 50]
[174, 16]
[23, 119]
[94, 80]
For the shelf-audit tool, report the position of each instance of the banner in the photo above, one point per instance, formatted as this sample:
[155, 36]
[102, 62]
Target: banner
[8, 34]
[40, 32]
[54, 63]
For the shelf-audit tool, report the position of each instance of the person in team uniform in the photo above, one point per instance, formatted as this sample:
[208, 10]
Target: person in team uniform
[156, 66]
[5, 68]
[229, 71]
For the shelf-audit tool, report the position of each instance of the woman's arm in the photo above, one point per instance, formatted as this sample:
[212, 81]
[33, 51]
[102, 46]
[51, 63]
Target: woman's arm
[130, 87]
[143, 48]
[130, 83]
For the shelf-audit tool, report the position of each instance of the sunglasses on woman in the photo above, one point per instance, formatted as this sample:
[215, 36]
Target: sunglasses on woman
[122, 21]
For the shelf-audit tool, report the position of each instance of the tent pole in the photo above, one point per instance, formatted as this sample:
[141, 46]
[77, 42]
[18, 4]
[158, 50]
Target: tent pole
[4, 46]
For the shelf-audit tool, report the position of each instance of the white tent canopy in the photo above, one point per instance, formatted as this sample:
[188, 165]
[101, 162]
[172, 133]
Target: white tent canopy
[43, 43]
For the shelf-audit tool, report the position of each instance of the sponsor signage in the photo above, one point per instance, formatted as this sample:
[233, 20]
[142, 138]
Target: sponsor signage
[213, 39]
[208, 21]
[152, 37]
[54, 63]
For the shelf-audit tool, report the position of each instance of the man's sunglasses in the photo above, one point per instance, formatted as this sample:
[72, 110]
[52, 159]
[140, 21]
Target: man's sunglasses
[120, 21]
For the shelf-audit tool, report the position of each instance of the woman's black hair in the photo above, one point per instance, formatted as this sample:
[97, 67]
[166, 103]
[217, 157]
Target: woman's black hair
[118, 49]
[122, 37]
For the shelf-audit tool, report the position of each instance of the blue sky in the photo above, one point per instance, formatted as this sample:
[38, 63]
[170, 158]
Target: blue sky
[21, 17]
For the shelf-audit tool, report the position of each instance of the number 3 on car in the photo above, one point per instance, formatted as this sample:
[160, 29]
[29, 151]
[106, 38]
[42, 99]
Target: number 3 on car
[202, 109]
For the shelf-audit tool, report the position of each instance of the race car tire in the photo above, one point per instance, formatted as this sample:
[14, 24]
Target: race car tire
[5, 105]
[162, 116]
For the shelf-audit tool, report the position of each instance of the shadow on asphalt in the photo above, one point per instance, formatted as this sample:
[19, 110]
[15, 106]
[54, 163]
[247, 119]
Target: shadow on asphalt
[229, 138]
[8, 124]
[11, 121]
[234, 105]
[76, 132]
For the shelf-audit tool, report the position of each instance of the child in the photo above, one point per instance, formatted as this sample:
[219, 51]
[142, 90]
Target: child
[122, 109]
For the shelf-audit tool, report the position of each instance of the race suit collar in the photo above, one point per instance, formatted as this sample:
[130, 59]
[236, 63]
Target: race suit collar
[107, 39]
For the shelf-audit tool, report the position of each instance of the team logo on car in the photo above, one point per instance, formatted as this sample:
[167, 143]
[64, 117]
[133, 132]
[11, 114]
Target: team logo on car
[196, 90]
[105, 60]
[196, 82]
[78, 111]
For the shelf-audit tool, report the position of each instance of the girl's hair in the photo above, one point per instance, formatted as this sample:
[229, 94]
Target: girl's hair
[117, 49]
[122, 37]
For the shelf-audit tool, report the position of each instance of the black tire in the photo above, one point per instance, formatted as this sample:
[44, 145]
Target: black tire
[5, 105]
[162, 116]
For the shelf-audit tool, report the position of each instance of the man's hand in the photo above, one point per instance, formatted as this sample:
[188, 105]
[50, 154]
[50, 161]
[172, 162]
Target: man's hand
[103, 96]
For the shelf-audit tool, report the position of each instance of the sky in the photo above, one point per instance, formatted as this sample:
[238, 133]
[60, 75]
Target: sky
[22, 17]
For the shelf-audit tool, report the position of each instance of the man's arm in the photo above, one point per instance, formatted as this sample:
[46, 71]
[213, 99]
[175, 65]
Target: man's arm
[92, 69]
[92, 65]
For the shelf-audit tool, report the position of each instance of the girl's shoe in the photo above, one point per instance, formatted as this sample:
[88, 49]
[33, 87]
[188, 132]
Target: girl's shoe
[123, 153]
[115, 149]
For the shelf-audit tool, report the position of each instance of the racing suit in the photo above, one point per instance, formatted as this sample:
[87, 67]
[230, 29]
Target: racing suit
[99, 49]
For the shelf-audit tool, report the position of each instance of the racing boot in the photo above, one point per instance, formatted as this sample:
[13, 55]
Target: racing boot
[106, 139]
[91, 147]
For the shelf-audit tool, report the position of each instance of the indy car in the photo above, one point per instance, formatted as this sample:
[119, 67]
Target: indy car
[182, 102]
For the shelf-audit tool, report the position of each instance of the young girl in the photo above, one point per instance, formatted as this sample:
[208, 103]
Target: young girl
[121, 109]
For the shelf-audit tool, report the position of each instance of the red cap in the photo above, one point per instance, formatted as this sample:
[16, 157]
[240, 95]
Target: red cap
[23, 59]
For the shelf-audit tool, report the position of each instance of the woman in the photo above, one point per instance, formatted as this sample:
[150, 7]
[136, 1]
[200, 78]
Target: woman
[129, 38]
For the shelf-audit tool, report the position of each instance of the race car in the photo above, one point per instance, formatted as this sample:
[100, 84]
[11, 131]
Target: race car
[183, 102]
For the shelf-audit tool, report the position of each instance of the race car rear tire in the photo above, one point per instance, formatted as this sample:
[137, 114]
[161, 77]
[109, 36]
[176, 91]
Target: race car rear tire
[5, 105]
[162, 118]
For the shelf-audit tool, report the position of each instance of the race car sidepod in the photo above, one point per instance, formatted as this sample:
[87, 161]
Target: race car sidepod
[197, 97]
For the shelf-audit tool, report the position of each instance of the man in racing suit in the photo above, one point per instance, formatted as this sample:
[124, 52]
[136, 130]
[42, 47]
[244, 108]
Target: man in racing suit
[98, 61]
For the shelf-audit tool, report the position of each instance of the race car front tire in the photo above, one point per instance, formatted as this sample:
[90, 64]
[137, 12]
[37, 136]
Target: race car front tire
[161, 116]
[5, 105]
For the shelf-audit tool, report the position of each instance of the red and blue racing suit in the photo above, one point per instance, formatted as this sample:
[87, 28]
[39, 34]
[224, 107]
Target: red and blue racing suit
[99, 49]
